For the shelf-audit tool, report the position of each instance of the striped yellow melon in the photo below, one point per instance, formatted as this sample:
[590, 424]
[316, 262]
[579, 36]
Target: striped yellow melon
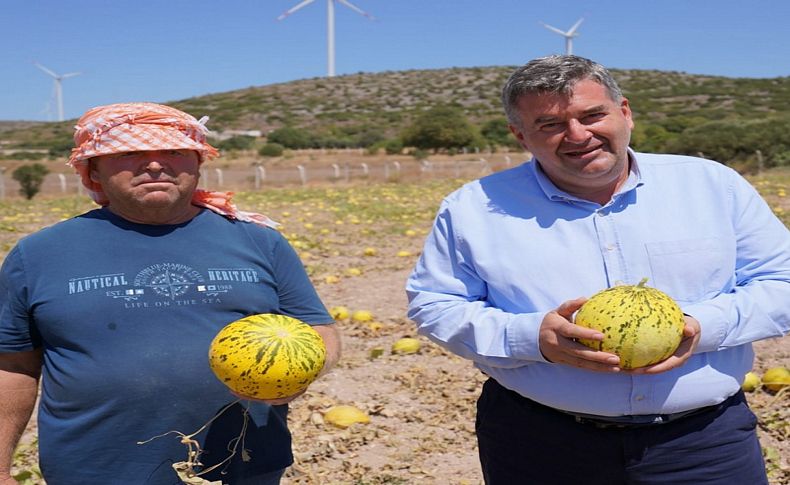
[641, 325]
[267, 356]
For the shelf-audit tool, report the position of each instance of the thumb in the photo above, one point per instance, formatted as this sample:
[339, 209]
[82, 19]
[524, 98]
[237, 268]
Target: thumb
[566, 309]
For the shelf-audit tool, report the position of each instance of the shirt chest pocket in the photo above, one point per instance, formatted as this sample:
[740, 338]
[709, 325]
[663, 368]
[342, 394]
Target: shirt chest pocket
[690, 270]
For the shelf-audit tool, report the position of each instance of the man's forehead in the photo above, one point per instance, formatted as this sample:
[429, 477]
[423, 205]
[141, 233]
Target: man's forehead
[110, 156]
[583, 98]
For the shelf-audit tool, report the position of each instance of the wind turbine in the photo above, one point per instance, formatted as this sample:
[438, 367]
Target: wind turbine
[330, 26]
[569, 35]
[58, 78]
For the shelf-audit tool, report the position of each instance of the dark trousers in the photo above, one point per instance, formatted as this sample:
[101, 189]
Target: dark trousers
[523, 442]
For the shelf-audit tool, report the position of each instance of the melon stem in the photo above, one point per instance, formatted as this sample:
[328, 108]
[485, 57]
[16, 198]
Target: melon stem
[642, 283]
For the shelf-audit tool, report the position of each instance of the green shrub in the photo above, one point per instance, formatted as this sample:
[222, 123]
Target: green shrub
[496, 132]
[271, 150]
[30, 178]
[441, 127]
[291, 137]
[393, 146]
[235, 143]
[737, 141]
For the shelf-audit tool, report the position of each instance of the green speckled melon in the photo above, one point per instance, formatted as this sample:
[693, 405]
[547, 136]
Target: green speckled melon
[641, 325]
[267, 356]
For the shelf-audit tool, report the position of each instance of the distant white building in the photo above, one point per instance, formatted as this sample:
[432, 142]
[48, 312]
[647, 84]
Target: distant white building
[224, 135]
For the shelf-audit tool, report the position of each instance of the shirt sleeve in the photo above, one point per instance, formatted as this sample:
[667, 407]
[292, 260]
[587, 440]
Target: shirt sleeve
[447, 300]
[298, 297]
[758, 307]
[16, 329]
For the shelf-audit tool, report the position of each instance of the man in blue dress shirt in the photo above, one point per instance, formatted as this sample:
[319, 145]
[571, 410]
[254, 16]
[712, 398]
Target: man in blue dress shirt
[512, 256]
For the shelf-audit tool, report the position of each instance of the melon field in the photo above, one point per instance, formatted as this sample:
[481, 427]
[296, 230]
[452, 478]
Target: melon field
[358, 242]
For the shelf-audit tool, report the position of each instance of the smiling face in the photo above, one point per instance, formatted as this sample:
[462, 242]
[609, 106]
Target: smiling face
[580, 140]
[149, 187]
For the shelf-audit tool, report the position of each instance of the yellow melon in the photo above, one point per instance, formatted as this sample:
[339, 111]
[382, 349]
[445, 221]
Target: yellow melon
[267, 356]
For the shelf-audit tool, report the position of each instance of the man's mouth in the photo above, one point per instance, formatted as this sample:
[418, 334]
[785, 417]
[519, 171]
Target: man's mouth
[154, 181]
[580, 153]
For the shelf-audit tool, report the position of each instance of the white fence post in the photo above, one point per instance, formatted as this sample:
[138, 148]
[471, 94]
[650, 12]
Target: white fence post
[80, 188]
[486, 167]
[336, 171]
[302, 174]
[760, 161]
[260, 176]
[203, 179]
[365, 169]
[62, 180]
[508, 161]
[220, 181]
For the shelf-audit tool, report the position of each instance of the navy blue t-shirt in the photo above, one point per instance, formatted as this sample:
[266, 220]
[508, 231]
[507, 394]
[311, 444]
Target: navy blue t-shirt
[125, 314]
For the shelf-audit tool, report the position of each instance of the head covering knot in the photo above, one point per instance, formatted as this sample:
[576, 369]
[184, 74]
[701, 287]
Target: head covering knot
[132, 127]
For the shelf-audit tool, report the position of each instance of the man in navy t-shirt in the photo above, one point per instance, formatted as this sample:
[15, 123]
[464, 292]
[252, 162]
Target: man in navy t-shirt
[114, 311]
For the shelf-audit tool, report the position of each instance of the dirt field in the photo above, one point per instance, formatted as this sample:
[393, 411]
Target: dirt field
[421, 406]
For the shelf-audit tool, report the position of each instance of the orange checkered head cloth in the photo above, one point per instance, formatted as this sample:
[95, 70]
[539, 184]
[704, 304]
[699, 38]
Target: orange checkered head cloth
[132, 127]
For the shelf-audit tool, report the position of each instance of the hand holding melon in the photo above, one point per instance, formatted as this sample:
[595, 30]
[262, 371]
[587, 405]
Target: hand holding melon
[641, 325]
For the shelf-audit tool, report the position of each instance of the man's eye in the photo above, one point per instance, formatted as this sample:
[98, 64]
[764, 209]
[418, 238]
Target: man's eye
[550, 126]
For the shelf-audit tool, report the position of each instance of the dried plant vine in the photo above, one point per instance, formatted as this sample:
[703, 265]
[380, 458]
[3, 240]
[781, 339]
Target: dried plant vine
[186, 470]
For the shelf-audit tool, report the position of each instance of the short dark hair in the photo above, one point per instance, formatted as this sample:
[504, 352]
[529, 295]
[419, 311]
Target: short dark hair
[554, 74]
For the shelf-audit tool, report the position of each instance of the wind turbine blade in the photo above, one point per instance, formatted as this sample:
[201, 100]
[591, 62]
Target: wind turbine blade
[355, 8]
[71, 74]
[45, 69]
[553, 29]
[295, 8]
[575, 26]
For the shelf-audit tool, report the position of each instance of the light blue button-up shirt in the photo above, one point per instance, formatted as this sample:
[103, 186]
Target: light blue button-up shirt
[510, 247]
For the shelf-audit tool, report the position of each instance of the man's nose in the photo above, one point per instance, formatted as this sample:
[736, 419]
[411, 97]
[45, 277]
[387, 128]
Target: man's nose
[154, 166]
[577, 132]
[153, 161]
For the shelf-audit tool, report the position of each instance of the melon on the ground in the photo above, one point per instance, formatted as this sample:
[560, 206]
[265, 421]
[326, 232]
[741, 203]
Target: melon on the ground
[751, 381]
[642, 325]
[267, 356]
[776, 378]
[406, 345]
[344, 416]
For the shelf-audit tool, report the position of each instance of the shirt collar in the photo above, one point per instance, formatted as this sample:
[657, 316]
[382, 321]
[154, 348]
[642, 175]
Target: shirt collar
[552, 192]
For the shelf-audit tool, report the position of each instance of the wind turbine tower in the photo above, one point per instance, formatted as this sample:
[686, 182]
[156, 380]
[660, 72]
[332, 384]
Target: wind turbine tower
[330, 26]
[569, 35]
[58, 78]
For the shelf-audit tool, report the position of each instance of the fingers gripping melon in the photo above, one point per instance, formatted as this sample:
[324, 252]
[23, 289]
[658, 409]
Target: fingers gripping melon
[267, 356]
[641, 325]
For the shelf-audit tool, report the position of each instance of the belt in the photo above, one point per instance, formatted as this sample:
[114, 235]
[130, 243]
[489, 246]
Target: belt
[635, 421]
[642, 420]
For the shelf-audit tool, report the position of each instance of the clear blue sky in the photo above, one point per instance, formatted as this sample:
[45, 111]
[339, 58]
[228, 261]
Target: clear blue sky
[166, 50]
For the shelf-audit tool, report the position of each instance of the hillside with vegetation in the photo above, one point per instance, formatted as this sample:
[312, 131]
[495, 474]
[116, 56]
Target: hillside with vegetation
[725, 118]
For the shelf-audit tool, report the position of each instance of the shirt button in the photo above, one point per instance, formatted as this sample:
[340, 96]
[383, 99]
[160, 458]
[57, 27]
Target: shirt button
[610, 247]
[639, 397]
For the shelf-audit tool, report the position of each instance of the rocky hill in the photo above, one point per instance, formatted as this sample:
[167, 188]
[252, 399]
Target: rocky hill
[387, 101]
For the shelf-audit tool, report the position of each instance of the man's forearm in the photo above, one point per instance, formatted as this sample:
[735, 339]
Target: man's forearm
[18, 390]
[331, 336]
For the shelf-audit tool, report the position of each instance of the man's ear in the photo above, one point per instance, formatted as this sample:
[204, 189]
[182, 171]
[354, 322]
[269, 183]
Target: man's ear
[92, 173]
[518, 134]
